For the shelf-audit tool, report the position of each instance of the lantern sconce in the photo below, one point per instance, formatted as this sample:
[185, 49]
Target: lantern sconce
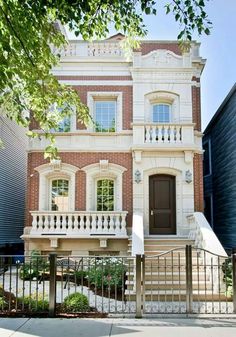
[188, 177]
[137, 176]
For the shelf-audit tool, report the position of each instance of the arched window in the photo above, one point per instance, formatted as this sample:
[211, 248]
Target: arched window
[105, 195]
[60, 195]
[161, 113]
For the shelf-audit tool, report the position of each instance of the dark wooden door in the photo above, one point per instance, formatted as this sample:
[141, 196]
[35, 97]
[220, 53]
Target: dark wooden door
[162, 208]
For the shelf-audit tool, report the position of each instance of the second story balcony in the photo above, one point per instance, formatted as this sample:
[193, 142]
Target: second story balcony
[163, 136]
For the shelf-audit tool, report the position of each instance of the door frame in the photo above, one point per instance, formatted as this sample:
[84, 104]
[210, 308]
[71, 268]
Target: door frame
[179, 195]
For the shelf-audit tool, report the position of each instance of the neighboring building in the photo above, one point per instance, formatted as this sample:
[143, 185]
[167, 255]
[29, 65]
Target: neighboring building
[142, 158]
[13, 174]
[219, 143]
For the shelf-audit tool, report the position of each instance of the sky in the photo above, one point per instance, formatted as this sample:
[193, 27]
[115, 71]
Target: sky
[219, 49]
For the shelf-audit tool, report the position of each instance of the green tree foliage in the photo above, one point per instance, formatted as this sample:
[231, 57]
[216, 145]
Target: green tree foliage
[28, 31]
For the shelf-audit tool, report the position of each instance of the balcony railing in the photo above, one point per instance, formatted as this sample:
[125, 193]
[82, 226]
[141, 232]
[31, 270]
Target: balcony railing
[153, 133]
[92, 49]
[78, 223]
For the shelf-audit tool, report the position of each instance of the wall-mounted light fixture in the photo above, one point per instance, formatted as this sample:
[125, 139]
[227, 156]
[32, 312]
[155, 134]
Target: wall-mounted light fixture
[137, 176]
[188, 177]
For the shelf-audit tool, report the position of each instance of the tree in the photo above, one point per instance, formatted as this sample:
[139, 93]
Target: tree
[28, 29]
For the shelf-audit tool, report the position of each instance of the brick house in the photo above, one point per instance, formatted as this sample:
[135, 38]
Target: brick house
[139, 163]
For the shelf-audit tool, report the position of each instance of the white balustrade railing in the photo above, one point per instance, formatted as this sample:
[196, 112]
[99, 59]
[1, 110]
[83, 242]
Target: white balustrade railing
[163, 133]
[78, 223]
[104, 49]
[93, 49]
[156, 133]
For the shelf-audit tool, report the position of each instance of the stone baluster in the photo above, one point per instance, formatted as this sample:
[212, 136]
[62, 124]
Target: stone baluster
[105, 223]
[111, 224]
[63, 223]
[87, 223]
[70, 223]
[99, 223]
[46, 223]
[123, 224]
[40, 222]
[117, 223]
[76, 225]
[164, 134]
[148, 134]
[34, 223]
[58, 223]
[94, 225]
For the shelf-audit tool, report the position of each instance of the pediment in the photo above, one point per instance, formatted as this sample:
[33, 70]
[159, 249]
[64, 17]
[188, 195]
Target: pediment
[161, 59]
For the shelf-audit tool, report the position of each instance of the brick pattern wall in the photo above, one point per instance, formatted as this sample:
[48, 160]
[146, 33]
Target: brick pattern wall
[127, 100]
[80, 160]
[198, 159]
[196, 106]
[198, 183]
[147, 47]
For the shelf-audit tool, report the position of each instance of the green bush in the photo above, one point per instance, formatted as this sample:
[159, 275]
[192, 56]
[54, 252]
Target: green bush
[107, 273]
[34, 268]
[3, 303]
[227, 269]
[34, 303]
[76, 303]
[80, 274]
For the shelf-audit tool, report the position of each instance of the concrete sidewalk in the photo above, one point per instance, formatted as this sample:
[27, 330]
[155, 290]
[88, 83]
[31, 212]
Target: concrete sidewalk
[82, 327]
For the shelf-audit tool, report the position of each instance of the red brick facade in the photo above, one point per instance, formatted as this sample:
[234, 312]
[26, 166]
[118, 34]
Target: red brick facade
[198, 183]
[197, 162]
[196, 104]
[80, 160]
[147, 47]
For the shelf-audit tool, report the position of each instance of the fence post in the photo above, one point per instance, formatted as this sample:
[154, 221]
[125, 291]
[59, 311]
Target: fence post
[52, 283]
[138, 286]
[234, 278]
[189, 281]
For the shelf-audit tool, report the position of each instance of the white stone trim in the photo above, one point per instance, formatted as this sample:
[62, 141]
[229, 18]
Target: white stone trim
[46, 175]
[94, 172]
[93, 95]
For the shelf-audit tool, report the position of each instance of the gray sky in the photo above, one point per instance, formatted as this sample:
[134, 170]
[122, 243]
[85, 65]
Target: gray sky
[219, 49]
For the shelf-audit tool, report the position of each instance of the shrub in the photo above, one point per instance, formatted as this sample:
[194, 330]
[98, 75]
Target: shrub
[34, 303]
[3, 303]
[80, 274]
[76, 303]
[227, 269]
[107, 272]
[34, 268]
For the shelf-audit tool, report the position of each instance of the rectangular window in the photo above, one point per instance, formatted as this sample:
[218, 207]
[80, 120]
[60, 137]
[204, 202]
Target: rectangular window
[105, 116]
[206, 158]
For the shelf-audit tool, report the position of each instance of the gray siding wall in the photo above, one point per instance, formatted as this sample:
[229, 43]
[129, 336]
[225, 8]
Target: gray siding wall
[13, 173]
[222, 182]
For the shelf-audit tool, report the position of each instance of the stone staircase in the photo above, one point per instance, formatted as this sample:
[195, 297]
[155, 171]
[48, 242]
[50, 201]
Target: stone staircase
[165, 272]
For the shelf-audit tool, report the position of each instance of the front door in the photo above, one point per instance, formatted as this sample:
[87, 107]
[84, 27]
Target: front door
[162, 209]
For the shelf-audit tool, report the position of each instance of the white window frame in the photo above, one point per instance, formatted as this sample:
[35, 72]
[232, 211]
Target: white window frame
[93, 96]
[95, 172]
[47, 173]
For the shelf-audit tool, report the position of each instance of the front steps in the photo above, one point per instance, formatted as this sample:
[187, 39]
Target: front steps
[165, 272]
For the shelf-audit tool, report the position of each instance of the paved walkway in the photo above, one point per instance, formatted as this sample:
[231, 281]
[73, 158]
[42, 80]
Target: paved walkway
[81, 327]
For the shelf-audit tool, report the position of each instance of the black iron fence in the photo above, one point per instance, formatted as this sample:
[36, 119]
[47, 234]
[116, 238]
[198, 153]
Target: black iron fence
[180, 281]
